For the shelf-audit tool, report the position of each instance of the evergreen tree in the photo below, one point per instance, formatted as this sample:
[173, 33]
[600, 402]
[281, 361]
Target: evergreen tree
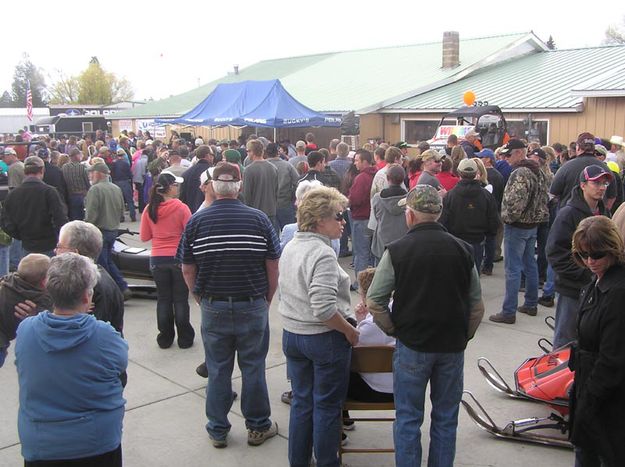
[25, 72]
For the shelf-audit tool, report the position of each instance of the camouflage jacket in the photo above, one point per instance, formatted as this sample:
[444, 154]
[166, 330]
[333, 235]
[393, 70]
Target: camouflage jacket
[526, 195]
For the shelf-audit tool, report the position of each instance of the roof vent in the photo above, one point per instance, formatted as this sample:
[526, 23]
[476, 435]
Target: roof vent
[451, 49]
[236, 69]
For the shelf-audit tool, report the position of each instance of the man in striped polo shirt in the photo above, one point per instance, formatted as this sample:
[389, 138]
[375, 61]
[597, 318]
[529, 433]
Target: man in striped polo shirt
[229, 254]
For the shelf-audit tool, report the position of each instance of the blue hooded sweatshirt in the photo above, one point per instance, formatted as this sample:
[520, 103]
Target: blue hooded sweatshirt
[71, 401]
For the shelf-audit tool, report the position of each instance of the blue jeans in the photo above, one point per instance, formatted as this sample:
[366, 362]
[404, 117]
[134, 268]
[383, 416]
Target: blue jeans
[549, 287]
[285, 216]
[361, 244]
[519, 245]
[489, 252]
[566, 321]
[16, 253]
[126, 188]
[106, 258]
[241, 329]
[412, 371]
[76, 207]
[4, 260]
[542, 233]
[318, 366]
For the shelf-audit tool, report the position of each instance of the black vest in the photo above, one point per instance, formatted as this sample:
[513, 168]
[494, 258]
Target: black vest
[432, 280]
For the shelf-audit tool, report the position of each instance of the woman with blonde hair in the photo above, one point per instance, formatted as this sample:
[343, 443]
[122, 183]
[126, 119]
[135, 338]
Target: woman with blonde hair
[597, 403]
[482, 174]
[457, 154]
[317, 337]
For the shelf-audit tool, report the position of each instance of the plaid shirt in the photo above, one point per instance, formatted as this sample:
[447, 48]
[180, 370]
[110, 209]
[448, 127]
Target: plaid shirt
[76, 177]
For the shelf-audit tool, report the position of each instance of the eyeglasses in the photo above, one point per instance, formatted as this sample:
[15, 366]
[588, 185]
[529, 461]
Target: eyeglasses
[585, 255]
[339, 216]
[600, 183]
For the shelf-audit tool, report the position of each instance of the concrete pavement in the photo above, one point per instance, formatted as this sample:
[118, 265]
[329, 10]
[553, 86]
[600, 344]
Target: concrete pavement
[164, 422]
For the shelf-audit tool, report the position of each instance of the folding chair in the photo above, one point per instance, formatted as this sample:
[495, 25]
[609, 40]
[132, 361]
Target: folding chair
[369, 359]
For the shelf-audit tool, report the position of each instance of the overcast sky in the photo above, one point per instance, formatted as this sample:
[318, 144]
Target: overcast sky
[165, 48]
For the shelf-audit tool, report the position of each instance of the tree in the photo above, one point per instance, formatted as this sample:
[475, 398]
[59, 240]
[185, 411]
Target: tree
[615, 34]
[6, 100]
[26, 71]
[64, 90]
[93, 86]
[551, 44]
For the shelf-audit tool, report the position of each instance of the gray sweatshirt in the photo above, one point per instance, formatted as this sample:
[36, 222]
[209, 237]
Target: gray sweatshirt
[313, 287]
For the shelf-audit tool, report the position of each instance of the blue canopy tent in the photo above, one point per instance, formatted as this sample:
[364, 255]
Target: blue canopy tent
[253, 103]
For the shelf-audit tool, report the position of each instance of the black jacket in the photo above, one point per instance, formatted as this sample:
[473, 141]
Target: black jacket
[190, 193]
[470, 212]
[108, 301]
[567, 177]
[34, 213]
[53, 176]
[598, 405]
[497, 181]
[570, 278]
[432, 283]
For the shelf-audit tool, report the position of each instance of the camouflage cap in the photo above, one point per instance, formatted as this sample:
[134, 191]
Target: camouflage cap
[423, 198]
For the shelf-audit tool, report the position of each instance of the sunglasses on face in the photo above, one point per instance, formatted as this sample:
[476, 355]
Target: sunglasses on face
[339, 216]
[595, 256]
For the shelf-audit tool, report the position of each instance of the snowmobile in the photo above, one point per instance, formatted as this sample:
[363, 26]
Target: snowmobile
[546, 379]
[134, 263]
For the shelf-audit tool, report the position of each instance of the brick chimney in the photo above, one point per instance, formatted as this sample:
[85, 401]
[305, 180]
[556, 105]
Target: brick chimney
[451, 49]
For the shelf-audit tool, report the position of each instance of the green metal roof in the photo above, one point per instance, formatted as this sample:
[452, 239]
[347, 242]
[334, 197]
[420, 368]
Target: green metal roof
[543, 81]
[354, 80]
[610, 83]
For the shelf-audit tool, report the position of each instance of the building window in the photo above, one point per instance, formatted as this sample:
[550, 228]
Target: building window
[87, 127]
[415, 131]
[538, 132]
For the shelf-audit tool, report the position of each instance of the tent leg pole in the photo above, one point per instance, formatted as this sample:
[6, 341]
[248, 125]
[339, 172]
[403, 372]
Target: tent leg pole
[274, 135]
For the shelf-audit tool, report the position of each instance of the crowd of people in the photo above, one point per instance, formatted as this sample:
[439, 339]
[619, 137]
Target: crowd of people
[240, 223]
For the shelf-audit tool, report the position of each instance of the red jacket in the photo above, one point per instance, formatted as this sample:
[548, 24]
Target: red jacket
[447, 179]
[360, 194]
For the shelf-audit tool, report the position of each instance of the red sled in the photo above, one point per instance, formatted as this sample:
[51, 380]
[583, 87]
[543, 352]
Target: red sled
[546, 379]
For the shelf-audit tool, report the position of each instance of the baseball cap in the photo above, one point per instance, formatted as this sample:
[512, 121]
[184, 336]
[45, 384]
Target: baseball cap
[121, 152]
[226, 172]
[171, 175]
[10, 152]
[402, 145]
[232, 155]
[586, 139]
[33, 161]
[148, 142]
[613, 166]
[471, 133]
[538, 152]
[601, 149]
[431, 154]
[423, 198]
[199, 141]
[206, 176]
[104, 149]
[99, 167]
[594, 172]
[485, 153]
[467, 166]
[300, 144]
[514, 143]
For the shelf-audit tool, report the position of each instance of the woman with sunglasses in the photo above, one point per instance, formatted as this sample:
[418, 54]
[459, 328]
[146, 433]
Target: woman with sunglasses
[597, 404]
[317, 337]
[163, 221]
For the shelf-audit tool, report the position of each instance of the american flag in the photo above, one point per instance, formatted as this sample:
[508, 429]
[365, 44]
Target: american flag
[29, 102]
